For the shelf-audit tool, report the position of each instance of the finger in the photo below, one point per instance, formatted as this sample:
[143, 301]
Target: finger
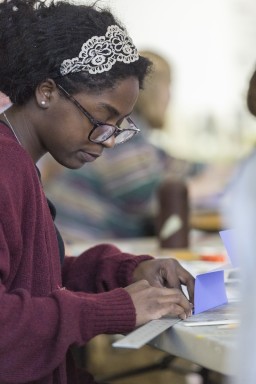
[175, 296]
[159, 282]
[137, 286]
[168, 274]
[172, 309]
[172, 279]
[187, 279]
[191, 289]
[184, 278]
[173, 275]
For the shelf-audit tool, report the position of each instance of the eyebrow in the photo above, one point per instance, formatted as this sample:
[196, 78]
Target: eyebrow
[112, 110]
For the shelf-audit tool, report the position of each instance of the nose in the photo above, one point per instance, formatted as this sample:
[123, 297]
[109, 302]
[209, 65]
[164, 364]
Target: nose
[109, 143]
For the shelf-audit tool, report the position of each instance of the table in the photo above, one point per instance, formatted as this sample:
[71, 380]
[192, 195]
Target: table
[150, 245]
[210, 221]
[208, 346]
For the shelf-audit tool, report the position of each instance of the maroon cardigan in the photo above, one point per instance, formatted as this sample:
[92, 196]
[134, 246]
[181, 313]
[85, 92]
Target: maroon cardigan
[43, 313]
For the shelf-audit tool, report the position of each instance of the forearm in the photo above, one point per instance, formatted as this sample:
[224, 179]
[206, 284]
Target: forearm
[99, 269]
[37, 332]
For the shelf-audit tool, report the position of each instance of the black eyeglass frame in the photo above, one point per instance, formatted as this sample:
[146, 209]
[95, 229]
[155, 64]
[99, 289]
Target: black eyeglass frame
[96, 123]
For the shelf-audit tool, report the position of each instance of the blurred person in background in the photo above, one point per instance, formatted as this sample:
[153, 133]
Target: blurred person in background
[243, 220]
[116, 196]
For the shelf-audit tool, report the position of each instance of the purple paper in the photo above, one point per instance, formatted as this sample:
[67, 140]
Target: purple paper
[209, 291]
[228, 238]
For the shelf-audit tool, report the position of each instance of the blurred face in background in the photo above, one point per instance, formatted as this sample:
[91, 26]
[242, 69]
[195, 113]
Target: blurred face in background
[154, 98]
[251, 96]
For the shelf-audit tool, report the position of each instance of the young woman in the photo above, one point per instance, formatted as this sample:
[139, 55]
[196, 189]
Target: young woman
[73, 76]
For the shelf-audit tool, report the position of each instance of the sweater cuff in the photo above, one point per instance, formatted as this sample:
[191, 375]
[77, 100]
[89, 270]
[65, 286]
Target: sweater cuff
[114, 313]
[127, 267]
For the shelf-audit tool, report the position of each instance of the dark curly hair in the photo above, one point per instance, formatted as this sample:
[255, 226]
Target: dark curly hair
[35, 38]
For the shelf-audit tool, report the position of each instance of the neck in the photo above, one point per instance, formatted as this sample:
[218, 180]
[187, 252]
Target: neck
[11, 127]
[20, 122]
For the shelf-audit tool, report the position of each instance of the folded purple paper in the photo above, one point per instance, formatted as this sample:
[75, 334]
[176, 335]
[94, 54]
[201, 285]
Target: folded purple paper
[210, 288]
[209, 291]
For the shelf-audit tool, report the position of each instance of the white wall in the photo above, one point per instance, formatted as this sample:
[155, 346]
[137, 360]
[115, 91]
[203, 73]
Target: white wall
[211, 45]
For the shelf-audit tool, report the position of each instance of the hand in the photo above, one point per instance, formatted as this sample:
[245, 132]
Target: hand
[151, 303]
[165, 273]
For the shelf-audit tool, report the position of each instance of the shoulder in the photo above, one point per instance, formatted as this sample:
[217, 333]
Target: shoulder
[15, 163]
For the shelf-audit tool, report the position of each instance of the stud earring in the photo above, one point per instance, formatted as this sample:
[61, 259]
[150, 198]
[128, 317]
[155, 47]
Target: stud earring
[43, 102]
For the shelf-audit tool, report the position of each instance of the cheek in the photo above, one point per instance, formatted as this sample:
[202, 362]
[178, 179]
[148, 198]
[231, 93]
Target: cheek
[66, 153]
[72, 133]
[70, 124]
[64, 140]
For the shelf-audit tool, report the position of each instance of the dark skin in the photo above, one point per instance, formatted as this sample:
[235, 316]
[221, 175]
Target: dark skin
[58, 127]
[166, 298]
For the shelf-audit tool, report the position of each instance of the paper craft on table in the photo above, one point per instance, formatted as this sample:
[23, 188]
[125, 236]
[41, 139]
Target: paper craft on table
[210, 291]
[226, 314]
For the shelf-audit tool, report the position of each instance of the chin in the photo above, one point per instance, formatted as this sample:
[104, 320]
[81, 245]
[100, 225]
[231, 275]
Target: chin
[75, 166]
[72, 165]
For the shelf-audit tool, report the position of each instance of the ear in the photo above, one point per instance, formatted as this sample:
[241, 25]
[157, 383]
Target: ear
[45, 93]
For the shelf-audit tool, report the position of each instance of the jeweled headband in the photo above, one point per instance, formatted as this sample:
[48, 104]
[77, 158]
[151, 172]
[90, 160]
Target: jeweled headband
[100, 53]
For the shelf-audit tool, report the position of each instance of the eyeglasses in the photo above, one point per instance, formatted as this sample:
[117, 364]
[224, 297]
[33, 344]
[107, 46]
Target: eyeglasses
[102, 131]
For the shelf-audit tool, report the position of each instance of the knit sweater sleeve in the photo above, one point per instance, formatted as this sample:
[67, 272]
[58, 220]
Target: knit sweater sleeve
[38, 320]
[101, 268]
[37, 332]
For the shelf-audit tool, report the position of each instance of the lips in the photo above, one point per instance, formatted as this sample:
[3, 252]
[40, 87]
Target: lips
[86, 157]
